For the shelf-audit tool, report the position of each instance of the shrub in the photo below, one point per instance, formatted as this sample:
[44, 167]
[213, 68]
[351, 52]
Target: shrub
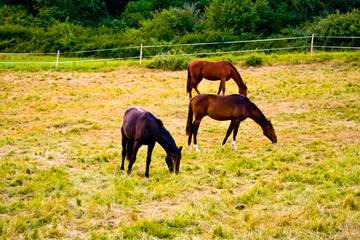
[253, 61]
[171, 61]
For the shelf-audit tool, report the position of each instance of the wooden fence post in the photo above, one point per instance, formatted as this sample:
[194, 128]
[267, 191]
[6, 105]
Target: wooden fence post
[57, 59]
[141, 47]
[312, 44]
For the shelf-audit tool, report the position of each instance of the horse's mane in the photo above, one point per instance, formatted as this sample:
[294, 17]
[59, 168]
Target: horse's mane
[158, 121]
[263, 119]
[242, 97]
[235, 71]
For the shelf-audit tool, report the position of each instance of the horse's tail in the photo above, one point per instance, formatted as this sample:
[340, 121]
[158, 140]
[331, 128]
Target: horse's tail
[188, 86]
[126, 144]
[189, 119]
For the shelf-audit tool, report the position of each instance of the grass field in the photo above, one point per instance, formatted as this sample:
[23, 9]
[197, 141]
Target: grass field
[60, 156]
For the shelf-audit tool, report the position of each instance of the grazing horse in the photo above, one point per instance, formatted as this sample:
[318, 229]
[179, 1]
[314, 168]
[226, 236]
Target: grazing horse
[140, 127]
[233, 107]
[222, 70]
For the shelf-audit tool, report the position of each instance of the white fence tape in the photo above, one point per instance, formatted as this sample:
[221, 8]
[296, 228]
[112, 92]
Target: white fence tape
[185, 44]
[337, 47]
[240, 51]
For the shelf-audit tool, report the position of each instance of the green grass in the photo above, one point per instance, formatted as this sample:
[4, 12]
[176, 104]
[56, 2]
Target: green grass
[48, 62]
[60, 155]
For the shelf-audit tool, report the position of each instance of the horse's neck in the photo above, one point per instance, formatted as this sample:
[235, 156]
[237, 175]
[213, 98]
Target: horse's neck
[237, 78]
[166, 141]
[258, 116]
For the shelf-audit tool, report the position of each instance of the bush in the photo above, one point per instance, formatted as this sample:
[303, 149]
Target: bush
[171, 61]
[253, 61]
[336, 24]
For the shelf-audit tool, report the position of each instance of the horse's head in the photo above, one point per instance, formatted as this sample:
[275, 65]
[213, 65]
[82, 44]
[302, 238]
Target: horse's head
[269, 132]
[172, 159]
[243, 91]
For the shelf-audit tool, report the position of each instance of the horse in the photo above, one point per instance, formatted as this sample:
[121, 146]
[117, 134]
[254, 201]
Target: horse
[234, 107]
[141, 127]
[222, 70]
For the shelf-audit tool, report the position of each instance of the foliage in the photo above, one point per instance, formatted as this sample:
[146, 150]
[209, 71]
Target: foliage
[168, 24]
[46, 26]
[244, 16]
[76, 11]
[337, 24]
[137, 11]
[253, 61]
[170, 61]
[307, 10]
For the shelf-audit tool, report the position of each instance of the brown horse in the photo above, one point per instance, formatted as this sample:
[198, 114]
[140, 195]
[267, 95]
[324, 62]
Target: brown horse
[233, 107]
[139, 128]
[222, 71]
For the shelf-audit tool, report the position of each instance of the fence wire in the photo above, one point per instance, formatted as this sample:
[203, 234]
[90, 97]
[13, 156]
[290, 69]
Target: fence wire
[186, 44]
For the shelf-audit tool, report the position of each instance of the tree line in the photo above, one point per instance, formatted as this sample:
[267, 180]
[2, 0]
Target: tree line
[75, 25]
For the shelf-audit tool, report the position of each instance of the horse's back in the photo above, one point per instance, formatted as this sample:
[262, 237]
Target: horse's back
[233, 98]
[138, 122]
[220, 107]
[211, 70]
[133, 114]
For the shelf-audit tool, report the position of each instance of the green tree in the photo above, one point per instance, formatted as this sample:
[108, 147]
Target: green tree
[83, 12]
[244, 16]
[337, 24]
[136, 11]
[28, 5]
[168, 24]
[115, 7]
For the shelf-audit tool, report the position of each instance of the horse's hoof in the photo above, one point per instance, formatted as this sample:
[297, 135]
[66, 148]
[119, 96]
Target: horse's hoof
[129, 171]
[147, 175]
[122, 168]
[196, 148]
[233, 144]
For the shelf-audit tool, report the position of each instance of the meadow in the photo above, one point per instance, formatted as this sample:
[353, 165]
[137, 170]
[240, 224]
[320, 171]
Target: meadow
[60, 154]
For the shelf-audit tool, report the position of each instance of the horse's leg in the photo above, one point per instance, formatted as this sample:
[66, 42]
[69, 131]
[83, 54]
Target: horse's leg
[234, 135]
[198, 80]
[124, 146]
[232, 126]
[196, 125]
[222, 86]
[190, 136]
[136, 147]
[148, 159]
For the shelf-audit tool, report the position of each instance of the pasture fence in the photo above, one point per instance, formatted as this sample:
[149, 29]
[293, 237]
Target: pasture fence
[139, 50]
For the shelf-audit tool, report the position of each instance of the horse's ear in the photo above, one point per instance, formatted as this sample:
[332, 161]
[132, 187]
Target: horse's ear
[180, 148]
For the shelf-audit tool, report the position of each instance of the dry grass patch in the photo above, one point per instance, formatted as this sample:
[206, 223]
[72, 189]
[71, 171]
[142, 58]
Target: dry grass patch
[60, 155]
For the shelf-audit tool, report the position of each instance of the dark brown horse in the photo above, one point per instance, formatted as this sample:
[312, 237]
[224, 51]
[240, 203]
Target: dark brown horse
[140, 127]
[222, 71]
[233, 107]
